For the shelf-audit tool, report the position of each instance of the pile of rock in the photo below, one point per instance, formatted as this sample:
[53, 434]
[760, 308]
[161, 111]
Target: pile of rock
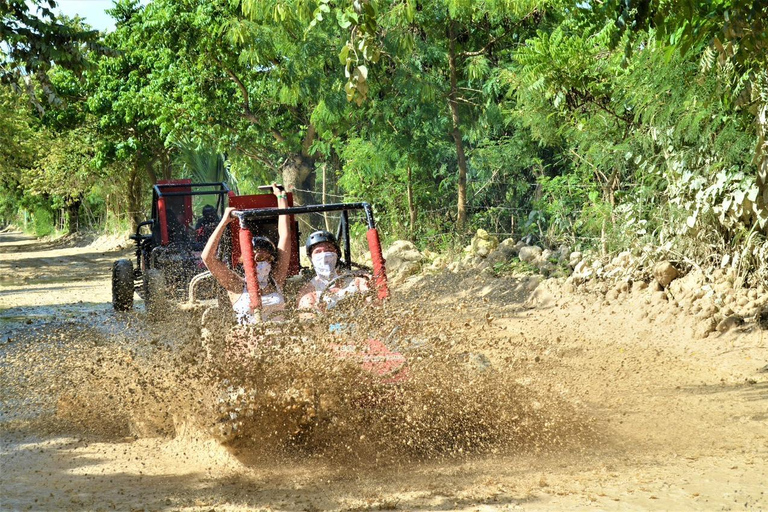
[403, 259]
[485, 251]
[712, 299]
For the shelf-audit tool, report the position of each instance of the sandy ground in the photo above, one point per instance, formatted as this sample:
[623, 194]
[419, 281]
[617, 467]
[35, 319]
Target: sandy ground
[613, 411]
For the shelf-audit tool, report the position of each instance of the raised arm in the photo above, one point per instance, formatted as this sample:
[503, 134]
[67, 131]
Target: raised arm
[223, 274]
[284, 243]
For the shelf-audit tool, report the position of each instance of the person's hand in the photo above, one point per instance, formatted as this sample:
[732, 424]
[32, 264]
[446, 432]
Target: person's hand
[278, 190]
[228, 217]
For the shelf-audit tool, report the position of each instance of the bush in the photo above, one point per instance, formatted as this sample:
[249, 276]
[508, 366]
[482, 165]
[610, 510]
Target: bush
[42, 221]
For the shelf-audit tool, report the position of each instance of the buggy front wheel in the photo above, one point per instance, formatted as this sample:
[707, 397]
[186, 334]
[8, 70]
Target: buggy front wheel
[122, 285]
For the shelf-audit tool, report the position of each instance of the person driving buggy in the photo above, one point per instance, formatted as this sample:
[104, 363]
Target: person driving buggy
[206, 223]
[327, 288]
[271, 267]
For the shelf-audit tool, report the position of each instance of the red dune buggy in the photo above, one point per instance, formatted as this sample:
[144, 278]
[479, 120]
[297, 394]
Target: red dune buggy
[282, 368]
[373, 355]
[168, 245]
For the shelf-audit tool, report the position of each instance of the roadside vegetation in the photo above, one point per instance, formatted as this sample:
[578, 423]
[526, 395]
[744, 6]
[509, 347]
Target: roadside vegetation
[607, 126]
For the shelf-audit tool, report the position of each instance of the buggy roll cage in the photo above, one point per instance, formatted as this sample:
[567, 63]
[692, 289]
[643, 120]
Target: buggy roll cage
[249, 221]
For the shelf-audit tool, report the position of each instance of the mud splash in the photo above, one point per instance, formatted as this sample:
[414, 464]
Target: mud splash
[280, 392]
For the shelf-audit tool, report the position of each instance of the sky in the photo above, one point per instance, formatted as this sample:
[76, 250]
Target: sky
[90, 10]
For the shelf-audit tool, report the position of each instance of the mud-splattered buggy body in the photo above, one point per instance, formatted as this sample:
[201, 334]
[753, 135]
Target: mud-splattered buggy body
[169, 243]
[258, 216]
[331, 346]
[254, 222]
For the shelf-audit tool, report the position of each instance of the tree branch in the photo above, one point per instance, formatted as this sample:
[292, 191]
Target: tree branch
[247, 112]
[480, 51]
[309, 138]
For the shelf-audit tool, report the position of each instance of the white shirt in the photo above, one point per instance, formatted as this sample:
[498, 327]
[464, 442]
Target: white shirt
[271, 304]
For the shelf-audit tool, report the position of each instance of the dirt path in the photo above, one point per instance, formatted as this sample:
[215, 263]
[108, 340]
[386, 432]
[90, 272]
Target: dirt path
[614, 411]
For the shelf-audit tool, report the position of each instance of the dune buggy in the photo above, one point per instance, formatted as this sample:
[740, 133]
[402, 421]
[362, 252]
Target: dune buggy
[261, 351]
[258, 216]
[168, 245]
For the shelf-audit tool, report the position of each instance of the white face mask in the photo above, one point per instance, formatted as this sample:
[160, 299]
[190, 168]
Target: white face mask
[263, 268]
[325, 264]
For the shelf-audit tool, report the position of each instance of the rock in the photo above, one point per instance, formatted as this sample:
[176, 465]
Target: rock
[665, 273]
[409, 268]
[482, 244]
[750, 309]
[403, 256]
[708, 310]
[581, 272]
[621, 262]
[496, 256]
[729, 322]
[529, 253]
[574, 259]
[688, 284]
[639, 286]
[546, 254]
[705, 327]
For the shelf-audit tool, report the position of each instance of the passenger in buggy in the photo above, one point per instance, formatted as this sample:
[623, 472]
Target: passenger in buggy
[206, 223]
[271, 268]
[327, 288]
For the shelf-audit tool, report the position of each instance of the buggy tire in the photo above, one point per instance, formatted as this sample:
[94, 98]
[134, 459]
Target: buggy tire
[155, 300]
[122, 285]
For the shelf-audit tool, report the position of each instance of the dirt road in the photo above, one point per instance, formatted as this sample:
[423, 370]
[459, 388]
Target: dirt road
[588, 405]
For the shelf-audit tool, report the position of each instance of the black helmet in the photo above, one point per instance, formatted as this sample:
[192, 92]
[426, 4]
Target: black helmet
[265, 244]
[319, 237]
[209, 211]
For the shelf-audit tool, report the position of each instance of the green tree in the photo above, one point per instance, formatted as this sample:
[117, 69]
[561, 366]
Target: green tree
[35, 40]
[17, 150]
[451, 50]
[65, 172]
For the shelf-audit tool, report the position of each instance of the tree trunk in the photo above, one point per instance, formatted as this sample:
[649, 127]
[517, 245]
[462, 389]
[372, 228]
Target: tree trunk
[73, 215]
[461, 219]
[134, 196]
[325, 197]
[147, 163]
[297, 178]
